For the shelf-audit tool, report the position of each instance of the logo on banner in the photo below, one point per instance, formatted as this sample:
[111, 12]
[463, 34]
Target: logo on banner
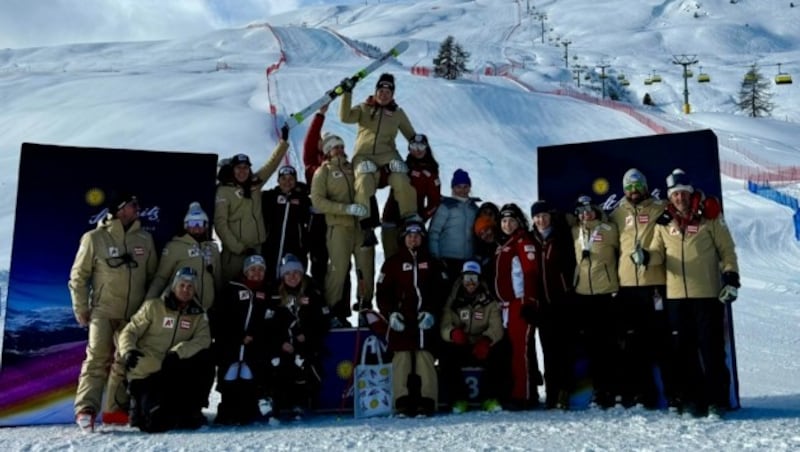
[95, 197]
[600, 186]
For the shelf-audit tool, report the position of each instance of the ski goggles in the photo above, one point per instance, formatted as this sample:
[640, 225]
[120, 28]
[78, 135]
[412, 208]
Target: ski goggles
[195, 224]
[583, 209]
[413, 229]
[125, 259]
[418, 147]
[287, 171]
[470, 278]
[635, 186]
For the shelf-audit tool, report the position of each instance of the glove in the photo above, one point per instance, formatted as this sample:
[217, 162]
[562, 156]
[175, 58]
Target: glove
[285, 132]
[356, 210]
[171, 360]
[728, 293]
[348, 84]
[397, 322]
[528, 313]
[398, 166]
[425, 320]
[458, 336]
[366, 167]
[481, 348]
[640, 257]
[731, 279]
[132, 358]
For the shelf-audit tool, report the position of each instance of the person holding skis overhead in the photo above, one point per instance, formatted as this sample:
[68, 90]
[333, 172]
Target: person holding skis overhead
[379, 120]
[238, 219]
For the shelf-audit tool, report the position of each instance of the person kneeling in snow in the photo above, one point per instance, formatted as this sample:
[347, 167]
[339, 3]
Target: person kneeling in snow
[165, 347]
[472, 329]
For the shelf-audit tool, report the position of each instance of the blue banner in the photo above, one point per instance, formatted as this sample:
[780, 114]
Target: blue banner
[61, 194]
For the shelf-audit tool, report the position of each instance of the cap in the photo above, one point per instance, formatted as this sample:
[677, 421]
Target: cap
[240, 159]
[471, 267]
[187, 274]
[540, 206]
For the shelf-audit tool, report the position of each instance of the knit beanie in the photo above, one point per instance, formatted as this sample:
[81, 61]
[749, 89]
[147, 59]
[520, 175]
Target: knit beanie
[460, 177]
[633, 176]
[329, 141]
[386, 80]
[290, 263]
[482, 223]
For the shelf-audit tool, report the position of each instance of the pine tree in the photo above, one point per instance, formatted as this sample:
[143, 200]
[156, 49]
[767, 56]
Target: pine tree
[451, 62]
[755, 95]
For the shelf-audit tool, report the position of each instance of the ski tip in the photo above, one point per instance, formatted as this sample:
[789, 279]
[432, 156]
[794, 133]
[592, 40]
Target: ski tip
[401, 47]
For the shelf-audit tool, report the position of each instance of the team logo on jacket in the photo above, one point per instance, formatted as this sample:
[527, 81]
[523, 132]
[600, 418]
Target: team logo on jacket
[281, 199]
[644, 218]
[138, 251]
[477, 315]
[674, 231]
[415, 173]
[113, 251]
[407, 266]
[194, 251]
[304, 300]
[186, 324]
[261, 295]
[597, 237]
[239, 193]
[423, 265]
[269, 313]
[244, 295]
[692, 229]
[464, 315]
[629, 221]
[168, 322]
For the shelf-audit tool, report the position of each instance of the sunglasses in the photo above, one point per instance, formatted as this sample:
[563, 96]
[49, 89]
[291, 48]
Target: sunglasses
[470, 278]
[417, 147]
[634, 186]
[125, 259]
[195, 223]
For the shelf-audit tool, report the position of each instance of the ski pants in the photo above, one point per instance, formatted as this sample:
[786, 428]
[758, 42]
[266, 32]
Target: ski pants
[403, 377]
[557, 333]
[167, 398]
[318, 253]
[696, 370]
[522, 337]
[598, 331]
[641, 334]
[102, 367]
[343, 242]
[367, 183]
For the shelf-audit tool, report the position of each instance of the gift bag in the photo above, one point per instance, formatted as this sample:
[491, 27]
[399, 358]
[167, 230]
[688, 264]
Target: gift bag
[373, 382]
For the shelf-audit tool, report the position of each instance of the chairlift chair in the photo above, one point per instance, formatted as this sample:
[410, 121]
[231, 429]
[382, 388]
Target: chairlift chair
[702, 77]
[648, 81]
[620, 76]
[783, 78]
[655, 78]
[624, 82]
[688, 73]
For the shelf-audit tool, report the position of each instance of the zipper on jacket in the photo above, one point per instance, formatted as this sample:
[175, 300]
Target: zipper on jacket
[377, 131]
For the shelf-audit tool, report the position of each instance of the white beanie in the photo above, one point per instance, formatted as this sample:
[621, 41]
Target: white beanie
[196, 213]
[678, 181]
[329, 141]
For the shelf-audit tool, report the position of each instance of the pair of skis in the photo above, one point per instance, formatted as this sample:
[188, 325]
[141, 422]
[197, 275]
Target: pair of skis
[296, 118]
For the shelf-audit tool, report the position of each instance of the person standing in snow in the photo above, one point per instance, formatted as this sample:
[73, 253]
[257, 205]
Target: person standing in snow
[451, 231]
[554, 277]
[333, 194]
[596, 247]
[192, 248]
[410, 294]
[642, 289]
[379, 120]
[297, 332]
[423, 170]
[515, 286]
[107, 283]
[238, 218]
[166, 350]
[693, 242]
[286, 209]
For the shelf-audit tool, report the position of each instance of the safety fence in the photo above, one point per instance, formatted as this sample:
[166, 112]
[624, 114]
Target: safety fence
[765, 190]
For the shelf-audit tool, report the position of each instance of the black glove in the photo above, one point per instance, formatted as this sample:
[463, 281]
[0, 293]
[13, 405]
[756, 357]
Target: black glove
[348, 84]
[528, 313]
[132, 358]
[170, 361]
[731, 279]
[285, 132]
[585, 254]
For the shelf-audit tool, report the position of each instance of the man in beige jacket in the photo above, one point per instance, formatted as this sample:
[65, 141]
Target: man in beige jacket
[696, 247]
[166, 350]
[112, 269]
